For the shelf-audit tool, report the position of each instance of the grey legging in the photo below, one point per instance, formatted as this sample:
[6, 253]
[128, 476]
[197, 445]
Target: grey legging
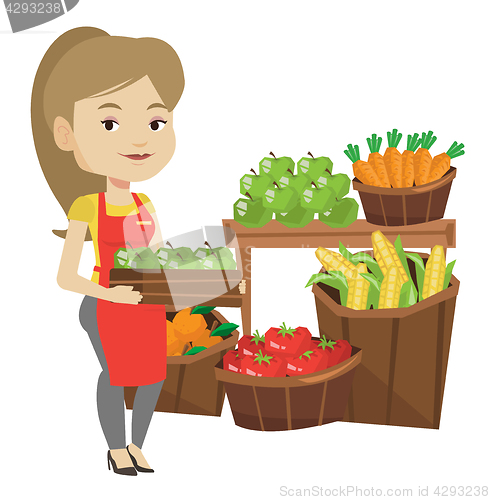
[110, 398]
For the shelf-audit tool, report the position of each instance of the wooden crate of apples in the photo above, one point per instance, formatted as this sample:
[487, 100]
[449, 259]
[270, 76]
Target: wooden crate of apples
[179, 277]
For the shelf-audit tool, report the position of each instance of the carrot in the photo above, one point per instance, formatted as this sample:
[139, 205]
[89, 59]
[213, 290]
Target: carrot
[422, 159]
[393, 159]
[376, 160]
[408, 174]
[362, 169]
[441, 163]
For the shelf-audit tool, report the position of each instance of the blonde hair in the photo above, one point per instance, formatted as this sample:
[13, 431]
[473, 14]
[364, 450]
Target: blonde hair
[80, 63]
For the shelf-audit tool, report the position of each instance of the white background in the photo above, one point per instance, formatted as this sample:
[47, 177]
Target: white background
[279, 76]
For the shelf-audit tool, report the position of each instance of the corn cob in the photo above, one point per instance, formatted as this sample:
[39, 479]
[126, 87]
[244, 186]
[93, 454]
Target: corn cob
[386, 256]
[333, 261]
[435, 270]
[389, 291]
[357, 295]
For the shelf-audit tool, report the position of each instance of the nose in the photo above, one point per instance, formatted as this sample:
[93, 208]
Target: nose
[142, 145]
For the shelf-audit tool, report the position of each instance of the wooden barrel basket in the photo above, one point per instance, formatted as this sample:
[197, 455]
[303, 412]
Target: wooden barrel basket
[286, 403]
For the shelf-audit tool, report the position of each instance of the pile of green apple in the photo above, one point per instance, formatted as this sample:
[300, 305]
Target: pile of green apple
[295, 198]
[174, 258]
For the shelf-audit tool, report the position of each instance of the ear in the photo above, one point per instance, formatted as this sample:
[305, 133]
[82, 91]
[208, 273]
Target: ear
[63, 134]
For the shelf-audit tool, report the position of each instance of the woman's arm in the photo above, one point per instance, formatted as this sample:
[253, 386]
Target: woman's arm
[69, 279]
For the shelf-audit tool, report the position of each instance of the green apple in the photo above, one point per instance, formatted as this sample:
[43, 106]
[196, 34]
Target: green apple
[313, 168]
[297, 182]
[211, 262]
[255, 185]
[275, 168]
[184, 252]
[121, 258]
[340, 183]
[251, 213]
[317, 200]
[179, 263]
[164, 255]
[297, 217]
[280, 199]
[342, 214]
[143, 258]
[215, 262]
[202, 253]
[223, 253]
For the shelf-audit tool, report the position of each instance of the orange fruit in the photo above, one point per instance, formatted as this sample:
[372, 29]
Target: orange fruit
[188, 327]
[210, 341]
[174, 344]
[202, 338]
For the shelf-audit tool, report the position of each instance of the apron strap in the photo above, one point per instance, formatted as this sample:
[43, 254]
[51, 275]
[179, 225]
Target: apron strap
[139, 204]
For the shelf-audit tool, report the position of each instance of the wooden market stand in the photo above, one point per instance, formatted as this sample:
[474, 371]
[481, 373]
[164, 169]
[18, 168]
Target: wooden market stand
[316, 233]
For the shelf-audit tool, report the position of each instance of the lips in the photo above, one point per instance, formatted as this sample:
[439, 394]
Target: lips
[138, 157]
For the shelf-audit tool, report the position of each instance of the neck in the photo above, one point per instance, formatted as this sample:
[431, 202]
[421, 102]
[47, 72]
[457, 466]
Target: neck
[118, 192]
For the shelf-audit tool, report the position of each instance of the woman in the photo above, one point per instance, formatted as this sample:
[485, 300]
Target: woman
[102, 117]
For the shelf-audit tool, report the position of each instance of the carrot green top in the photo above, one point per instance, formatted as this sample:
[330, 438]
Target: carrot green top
[394, 138]
[427, 140]
[413, 142]
[352, 153]
[455, 150]
[374, 143]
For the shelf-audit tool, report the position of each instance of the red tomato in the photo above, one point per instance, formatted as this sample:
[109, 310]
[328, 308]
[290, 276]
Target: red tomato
[338, 350]
[250, 345]
[287, 342]
[264, 365]
[232, 362]
[319, 347]
[308, 362]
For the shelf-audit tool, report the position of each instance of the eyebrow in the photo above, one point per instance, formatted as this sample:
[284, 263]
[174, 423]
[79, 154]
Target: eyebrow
[110, 105]
[156, 105]
[114, 105]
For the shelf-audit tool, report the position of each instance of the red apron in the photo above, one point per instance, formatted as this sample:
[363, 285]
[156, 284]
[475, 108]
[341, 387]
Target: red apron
[134, 337]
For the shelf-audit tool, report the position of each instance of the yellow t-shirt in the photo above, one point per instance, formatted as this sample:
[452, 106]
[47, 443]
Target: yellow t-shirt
[86, 209]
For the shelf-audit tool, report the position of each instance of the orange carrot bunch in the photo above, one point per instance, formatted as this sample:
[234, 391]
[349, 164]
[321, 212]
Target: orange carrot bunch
[414, 167]
[393, 159]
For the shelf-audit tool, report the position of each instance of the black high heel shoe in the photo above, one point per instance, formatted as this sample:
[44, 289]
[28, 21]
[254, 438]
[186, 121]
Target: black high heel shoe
[125, 471]
[135, 463]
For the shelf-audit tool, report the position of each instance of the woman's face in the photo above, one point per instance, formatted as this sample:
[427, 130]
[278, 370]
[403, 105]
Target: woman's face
[126, 135]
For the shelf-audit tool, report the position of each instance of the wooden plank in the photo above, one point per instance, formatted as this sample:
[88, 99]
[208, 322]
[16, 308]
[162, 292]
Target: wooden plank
[208, 289]
[184, 301]
[357, 235]
[175, 275]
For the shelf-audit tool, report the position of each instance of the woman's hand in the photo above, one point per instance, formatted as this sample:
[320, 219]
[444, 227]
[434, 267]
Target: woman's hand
[123, 294]
[69, 279]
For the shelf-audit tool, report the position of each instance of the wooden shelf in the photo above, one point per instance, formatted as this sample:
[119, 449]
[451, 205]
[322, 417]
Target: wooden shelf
[357, 235]
[316, 233]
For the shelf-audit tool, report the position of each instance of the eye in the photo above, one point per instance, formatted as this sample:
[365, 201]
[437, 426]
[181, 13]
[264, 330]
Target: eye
[157, 125]
[110, 125]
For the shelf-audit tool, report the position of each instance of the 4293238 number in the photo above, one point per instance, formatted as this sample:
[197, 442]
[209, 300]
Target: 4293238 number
[461, 491]
[34, 8]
